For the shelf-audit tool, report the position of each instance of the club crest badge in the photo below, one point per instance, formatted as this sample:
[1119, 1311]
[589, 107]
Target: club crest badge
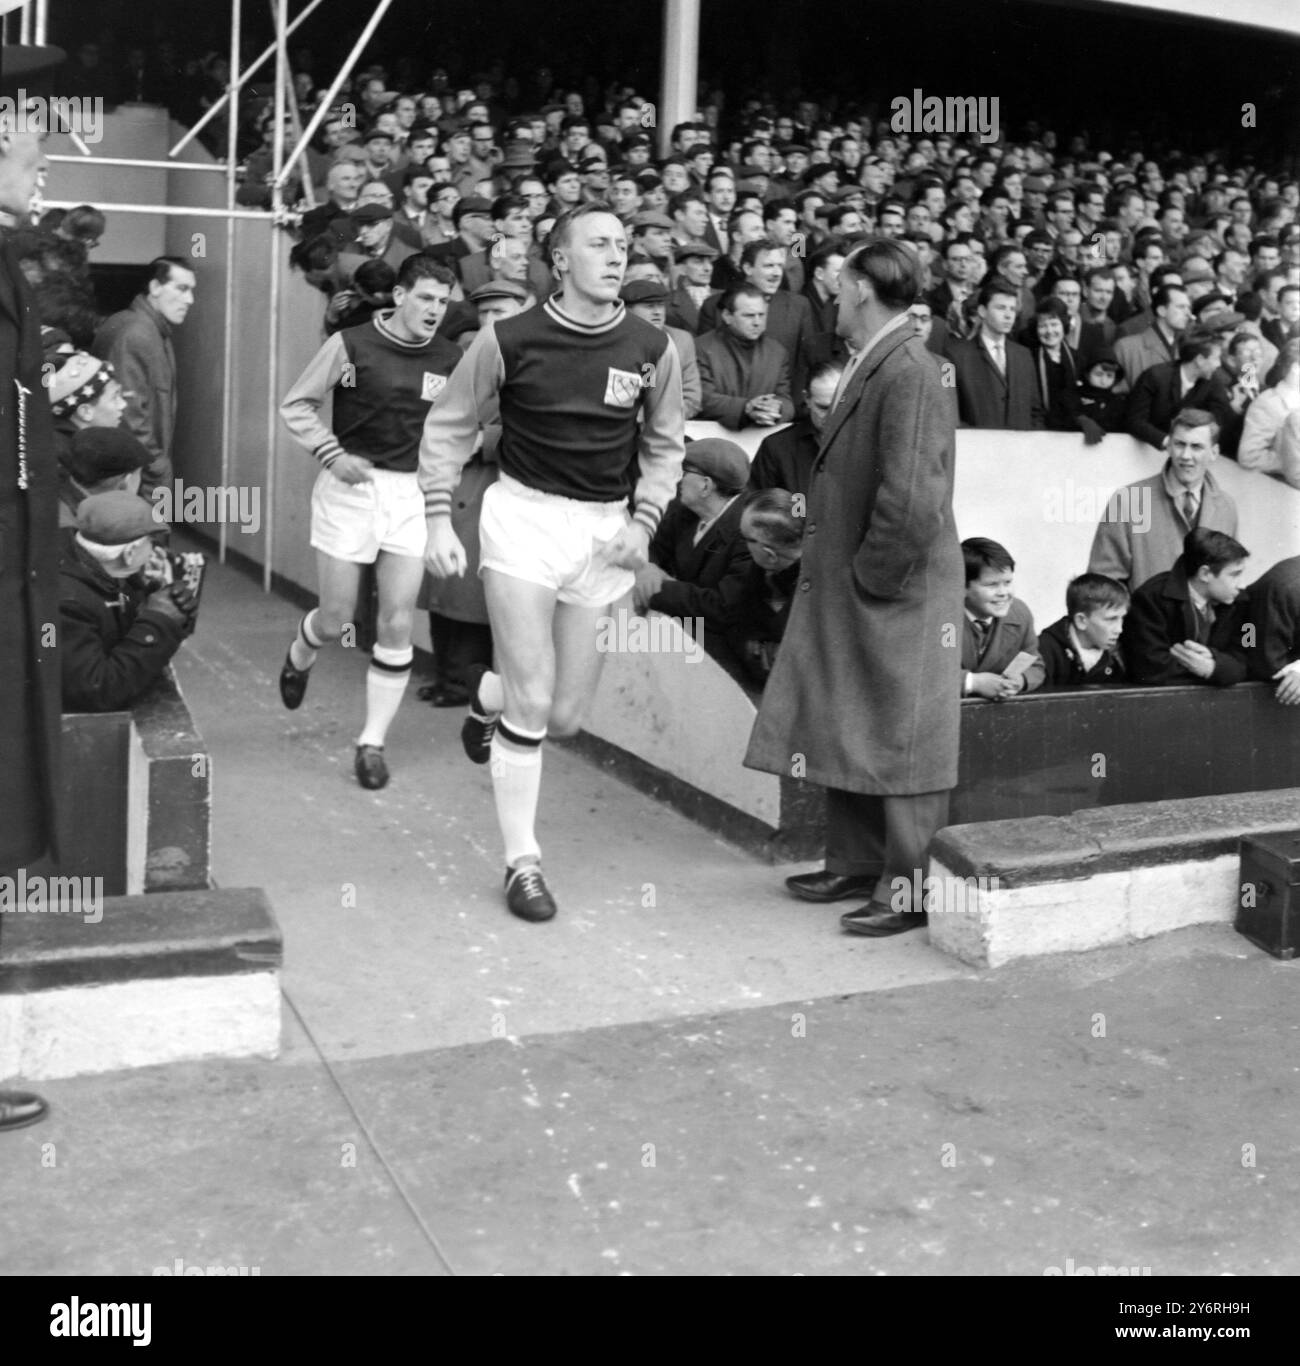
[433, 386]
[622, 388]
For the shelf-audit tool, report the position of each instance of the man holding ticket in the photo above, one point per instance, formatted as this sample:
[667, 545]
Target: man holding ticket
[999, 648]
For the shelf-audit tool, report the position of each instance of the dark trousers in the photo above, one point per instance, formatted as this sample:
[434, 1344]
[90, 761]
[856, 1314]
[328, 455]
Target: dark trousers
[457, 645]
[885, 837]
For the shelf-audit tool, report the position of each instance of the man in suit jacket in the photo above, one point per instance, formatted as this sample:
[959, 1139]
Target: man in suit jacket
[864, 687]
[1187, 625]
[700, 567]
[822, 290]
[951, 300]
[996, 383]
[1145, 523]
[744, 374]
[1188, 382]
[1158, 343]
[789, 318]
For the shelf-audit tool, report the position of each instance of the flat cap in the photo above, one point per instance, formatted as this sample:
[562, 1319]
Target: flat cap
[644, 292]
[650, 218]
[115, 519]
[722, 460]
[499, 289]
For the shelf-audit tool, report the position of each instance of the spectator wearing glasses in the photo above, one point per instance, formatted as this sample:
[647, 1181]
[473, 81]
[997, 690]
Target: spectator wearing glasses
[441, 228]
[700, 566]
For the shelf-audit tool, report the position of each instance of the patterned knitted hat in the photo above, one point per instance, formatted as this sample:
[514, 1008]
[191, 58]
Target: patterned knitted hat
[79, 378]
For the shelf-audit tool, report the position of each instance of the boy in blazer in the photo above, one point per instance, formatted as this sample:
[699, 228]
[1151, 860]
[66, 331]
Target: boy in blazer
[996, 627]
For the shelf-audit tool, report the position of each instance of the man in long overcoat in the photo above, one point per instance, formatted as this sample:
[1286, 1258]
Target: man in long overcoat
[864, 695]
[29, 503]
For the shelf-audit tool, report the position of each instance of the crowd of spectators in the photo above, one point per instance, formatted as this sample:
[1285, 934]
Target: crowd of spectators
[1066, 288]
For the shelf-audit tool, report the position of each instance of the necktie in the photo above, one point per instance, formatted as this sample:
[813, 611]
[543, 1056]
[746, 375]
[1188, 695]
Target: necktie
[1189, 508]
[999, 357]
[1204, 623]
[983, 628]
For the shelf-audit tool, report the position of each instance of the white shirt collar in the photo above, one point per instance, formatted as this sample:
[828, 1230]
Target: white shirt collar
[702, 529]
[1088, 654]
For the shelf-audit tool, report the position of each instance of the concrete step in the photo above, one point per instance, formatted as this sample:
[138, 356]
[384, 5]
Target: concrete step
[138, 980]
[1003, 890]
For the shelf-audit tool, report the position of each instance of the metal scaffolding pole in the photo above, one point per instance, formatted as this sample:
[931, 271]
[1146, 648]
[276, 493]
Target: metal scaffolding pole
[277, 207]
[228, 340]
[234, 87]
[324, 107]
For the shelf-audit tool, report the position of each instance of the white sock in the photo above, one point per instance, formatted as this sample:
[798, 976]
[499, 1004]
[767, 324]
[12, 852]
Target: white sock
[516, 784]
[306, 644]
[492, 695]
[386, 680]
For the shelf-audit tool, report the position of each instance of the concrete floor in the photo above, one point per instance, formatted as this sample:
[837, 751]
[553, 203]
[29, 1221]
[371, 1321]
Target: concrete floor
[685, 1072]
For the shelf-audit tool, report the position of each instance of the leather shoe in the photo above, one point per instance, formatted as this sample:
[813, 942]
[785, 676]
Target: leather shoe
[825, 886]
[370, 768]
[877, 921]
[444, 695]
[20, 1108]
[293, 684]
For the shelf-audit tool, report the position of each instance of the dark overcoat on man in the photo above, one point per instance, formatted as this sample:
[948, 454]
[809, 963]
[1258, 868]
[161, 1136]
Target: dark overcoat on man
[29, 584]
[866, 686]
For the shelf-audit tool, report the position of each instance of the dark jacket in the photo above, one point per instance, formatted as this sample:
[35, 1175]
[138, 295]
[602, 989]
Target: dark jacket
[29, 586]
[789, 321]
[1275, 614]
[1104, 406]
[1161, 615]
[1155, 399]
[1063, 667]
[1008, 637]
[732, 372]
[1058, 387]
[826, 344]
[712, 580]
[682, 311]
[755, 638]
[987, 398]
[785, 459]
[112, 644]
[138, 343]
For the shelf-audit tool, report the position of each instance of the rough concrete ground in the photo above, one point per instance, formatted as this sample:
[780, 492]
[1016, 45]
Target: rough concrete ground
[685, 1072]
